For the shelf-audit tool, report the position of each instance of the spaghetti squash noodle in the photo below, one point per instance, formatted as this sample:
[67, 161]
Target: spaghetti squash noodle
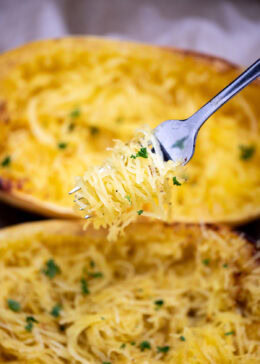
[134, 180]
[161, 294]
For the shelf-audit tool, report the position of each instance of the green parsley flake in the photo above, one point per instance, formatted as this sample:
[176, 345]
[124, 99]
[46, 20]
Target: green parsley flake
[84, 286]
[180, 143]
[55, 312]
[75, 113]
[145, 345]
[71, 126]
[122, 346]
[92, 264]
[175, 181]
[163, 349]
[30, 321]
[182, 338]
[133, 343]
[128, 198]
[94, 130]
[159, 303]
[96, 275]
[225, 265]
[206, 261]
[62, 145]
[229, 333]
[246, 152]
[142, 153]
[51, 269]
[106, 362]
[14, 305]
[6, 161]
[139, 212]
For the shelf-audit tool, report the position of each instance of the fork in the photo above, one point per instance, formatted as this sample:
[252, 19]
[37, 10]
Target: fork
[177, 138]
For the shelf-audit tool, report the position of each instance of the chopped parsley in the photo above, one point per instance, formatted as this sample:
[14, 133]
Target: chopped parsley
[139, 212]
[142, 153]
[145, 345]
[14, 305]
[6, 161]
[122, 346]
[246, 152]
[179, 143]
[159, 303]
[92, 264]
[175, 181]
[51, 269]
[133, 343]
[94, 130]
[229, 333]
[84, 286]
[75, 113]
[163, 349]
[206, 261]
[55, 312]
[182, 338]
[225, 265]
[106, 362]
[96, 275]
[128, 198]
[71, 126]
[62, 145]
[30, 321]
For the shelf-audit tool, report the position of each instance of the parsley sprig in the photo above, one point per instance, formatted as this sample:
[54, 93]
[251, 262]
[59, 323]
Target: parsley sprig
[96, 274]
[229, 333]
[175, 181]
[6, 161]
[246, 152]
[55, 312]
[163, 349]
[145, 345]
[84, 286]
[51, 269]
[75, 113]
[142, 153]
[30, 322]
[14, 305]
[158, 304]
[62, 145]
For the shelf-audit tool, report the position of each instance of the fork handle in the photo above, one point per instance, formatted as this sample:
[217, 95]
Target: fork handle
[249, 75]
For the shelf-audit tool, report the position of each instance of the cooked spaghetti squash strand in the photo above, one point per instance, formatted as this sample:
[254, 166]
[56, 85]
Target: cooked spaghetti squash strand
[133, 181]
[159, 295]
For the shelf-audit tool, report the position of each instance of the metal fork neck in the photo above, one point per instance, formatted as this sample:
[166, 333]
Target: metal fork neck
[227, 93]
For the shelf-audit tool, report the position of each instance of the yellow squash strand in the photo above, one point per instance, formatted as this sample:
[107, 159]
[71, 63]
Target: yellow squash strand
[133, 181]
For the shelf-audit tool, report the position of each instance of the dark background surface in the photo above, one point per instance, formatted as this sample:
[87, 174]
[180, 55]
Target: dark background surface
[10, 215]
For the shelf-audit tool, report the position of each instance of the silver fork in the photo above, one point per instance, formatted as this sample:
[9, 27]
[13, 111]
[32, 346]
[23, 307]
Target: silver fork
[177, 138]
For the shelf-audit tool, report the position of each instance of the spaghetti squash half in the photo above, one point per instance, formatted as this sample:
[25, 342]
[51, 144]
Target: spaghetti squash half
[161, 294]
[62, 102]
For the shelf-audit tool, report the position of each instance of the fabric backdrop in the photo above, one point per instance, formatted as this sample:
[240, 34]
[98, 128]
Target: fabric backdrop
[230, 29]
